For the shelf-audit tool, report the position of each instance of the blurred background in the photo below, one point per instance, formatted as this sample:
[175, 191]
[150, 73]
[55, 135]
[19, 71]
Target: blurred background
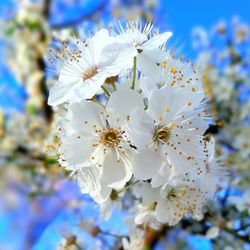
[41, 207]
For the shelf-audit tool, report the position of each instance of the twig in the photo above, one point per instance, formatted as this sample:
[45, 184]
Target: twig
[244, 238]
[113, 235]
[79, 20]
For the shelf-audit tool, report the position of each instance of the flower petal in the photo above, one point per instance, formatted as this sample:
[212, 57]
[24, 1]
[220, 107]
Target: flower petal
[103, 36]
[115, 173]
[85, 116]
[158, 40]
[90, 182]
[156, 55]
[140, 128]
[121, 104]
[149, 195]
[148, 67]
[146, 164]
[165, 174]
[165, 212]
[59, 93]
[76, 150]
[116, 57]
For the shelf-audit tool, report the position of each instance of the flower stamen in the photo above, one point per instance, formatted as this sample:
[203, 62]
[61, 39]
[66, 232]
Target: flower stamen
[161, 134]
[110, 137]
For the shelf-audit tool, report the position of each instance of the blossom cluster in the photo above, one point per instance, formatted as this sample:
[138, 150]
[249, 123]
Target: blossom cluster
[226, 80]
[135, 119]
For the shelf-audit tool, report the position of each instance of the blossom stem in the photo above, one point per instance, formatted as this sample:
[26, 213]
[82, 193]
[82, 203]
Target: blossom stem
[113, 235]
[134, 74]
[128, 187]
[97, 102]
[105, 91]
[114, 87]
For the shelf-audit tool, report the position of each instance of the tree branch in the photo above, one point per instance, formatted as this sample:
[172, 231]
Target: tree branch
[78, 20]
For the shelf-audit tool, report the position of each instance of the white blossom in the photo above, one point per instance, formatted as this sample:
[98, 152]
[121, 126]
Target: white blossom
[170, 203]
[86, 68]
[93, 143]
[148, 43]
[169, 134]
[146, 134]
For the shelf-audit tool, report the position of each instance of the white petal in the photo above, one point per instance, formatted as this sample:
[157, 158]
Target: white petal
[147, 85]
[156, 55]
[76, 149]
[148, 67]
[165, 212]
[104, 194]
[116, 57]
[146, 164]
[164, 104]
[164, 175]
[59, 93]
[184, 166]
[144, 217]
[121, 104]
[103, 36]
[157, 181]
[158, 40]
[71, 72]
[115, 173]
[140, 128]
[106, 209]
[85, 116]
[194, 122]
[149, 195]
[90, 182]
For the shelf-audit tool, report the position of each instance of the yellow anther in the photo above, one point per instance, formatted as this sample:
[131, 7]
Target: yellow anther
[173, 70]
[171, 126]
[164, 64]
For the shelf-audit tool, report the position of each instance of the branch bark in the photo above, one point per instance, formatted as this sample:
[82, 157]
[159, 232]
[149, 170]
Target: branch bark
[48, 112]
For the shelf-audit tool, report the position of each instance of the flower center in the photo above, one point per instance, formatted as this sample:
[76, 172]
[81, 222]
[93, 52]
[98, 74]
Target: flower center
[90, 72]
[171, 195]
[110, 137]
[161, 134]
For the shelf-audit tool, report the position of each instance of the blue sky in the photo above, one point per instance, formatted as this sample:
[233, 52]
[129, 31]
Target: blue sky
[179, 16]
[182, 15]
